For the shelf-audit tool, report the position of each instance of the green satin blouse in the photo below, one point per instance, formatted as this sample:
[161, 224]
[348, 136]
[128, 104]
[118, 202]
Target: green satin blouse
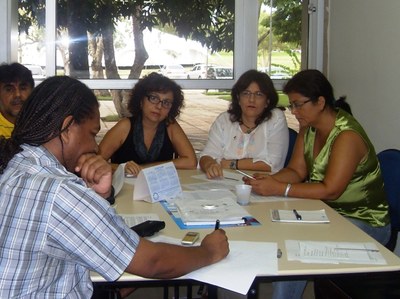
[364, 197]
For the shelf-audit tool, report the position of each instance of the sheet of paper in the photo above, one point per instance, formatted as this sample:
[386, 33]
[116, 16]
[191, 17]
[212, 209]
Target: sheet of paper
[133, 219]
[334, 252]
[211, 185]
[230, 185]
[208, 194]
[237, 271]
[259, 198]
[230, 179]
[118, 178]
[160, 182]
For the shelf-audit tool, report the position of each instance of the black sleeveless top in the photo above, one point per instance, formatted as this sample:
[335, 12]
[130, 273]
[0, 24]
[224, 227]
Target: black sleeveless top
[127, 150]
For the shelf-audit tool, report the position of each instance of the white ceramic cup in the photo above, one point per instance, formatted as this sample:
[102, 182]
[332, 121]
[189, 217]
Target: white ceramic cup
[243, 194]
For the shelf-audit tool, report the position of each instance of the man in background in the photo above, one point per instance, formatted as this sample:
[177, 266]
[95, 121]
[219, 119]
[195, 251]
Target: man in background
[16, 84]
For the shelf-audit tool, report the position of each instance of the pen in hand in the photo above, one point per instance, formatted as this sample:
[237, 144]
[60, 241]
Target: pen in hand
[216, 224]
[245, 174]
[298, 216]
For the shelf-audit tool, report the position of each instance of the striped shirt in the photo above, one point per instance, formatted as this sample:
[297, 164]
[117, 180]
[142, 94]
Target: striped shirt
[54, 230]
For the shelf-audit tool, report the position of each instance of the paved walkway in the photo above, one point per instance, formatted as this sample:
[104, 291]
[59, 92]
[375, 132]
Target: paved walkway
[196, 117]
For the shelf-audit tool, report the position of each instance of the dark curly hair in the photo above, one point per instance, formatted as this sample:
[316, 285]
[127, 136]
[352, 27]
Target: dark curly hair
[43, 113]
[266, 86]
[155, 82]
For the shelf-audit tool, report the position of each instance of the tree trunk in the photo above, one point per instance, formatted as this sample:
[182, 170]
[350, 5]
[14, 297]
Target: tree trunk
[96, 51]
[78, 47]
[64, 52]
[121, 98]
[141, 54]
[112, 70]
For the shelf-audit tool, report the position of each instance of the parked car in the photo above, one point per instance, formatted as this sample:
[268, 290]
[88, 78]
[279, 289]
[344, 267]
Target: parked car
[199, 71]
[37, 71]
[277, 72]
[219, 72]
[173, 71]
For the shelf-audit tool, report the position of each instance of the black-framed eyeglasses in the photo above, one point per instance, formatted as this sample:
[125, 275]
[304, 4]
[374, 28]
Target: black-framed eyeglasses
[297, 105]
[154, 99]
[258, 95]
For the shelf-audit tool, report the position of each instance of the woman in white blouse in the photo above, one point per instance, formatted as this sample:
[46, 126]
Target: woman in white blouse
[252, 134]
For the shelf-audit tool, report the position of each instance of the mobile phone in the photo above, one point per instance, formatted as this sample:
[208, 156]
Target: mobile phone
[190, 238]
[148, 227]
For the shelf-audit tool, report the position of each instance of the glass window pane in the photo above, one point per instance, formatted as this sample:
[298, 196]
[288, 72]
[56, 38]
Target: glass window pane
[31, 38]
[118, 40]
[279, 51]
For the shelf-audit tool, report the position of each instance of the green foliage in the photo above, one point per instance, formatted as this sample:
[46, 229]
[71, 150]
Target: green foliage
[287, 20]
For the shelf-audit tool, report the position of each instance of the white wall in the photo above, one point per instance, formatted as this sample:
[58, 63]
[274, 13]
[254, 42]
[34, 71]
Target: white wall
[364, 64]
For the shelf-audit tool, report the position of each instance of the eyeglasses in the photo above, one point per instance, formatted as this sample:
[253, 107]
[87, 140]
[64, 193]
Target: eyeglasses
[166, 104]
[258, 95]
[296, 105]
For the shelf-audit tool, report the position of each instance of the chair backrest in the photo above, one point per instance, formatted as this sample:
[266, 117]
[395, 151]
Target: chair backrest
[292, 140]
[389, 161]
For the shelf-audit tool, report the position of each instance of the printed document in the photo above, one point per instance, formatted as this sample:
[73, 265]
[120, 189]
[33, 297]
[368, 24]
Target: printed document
[334, 252]
[160, 182]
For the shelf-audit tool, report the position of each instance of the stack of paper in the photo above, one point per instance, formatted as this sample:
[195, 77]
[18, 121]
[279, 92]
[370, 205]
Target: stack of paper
[206, 211]
[299, 216]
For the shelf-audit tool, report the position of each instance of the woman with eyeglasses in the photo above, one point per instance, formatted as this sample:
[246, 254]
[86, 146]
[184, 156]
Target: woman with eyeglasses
[333, 160]
[252, 134]
[152, 134]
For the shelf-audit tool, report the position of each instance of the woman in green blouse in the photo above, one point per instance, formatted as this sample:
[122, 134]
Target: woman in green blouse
[333, 160]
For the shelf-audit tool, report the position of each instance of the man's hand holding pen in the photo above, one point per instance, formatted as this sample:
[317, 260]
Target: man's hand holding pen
[216, 244]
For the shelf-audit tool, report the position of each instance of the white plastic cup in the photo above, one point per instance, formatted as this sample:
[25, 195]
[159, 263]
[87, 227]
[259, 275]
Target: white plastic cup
[243, 194]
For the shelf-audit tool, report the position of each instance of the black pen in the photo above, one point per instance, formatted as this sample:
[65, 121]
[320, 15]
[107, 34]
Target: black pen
[298, 216]
[217, 224]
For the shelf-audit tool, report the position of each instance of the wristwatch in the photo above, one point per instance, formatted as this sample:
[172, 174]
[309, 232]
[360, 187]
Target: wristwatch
[233, 164]
[111, 198]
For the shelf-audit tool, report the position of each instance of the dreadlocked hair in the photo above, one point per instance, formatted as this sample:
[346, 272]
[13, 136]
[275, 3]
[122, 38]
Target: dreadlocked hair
[43, 113]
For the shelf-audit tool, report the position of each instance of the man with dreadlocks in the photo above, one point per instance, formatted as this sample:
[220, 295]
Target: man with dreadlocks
[55, 224]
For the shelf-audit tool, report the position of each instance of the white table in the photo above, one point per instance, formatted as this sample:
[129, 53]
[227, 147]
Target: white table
[339, 230]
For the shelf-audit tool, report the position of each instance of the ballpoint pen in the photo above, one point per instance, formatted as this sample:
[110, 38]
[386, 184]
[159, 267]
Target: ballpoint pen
[245, 174]
[227, 178]
[216, 224]
[298, 216]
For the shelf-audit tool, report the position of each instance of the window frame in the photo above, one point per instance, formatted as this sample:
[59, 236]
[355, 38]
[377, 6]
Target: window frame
[245, 45]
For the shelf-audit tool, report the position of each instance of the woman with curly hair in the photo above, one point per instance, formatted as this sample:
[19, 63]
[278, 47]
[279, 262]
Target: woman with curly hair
[252, 134]
[152, 134]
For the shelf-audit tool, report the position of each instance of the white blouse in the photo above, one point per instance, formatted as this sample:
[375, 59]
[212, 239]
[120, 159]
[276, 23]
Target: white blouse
[268, 142]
